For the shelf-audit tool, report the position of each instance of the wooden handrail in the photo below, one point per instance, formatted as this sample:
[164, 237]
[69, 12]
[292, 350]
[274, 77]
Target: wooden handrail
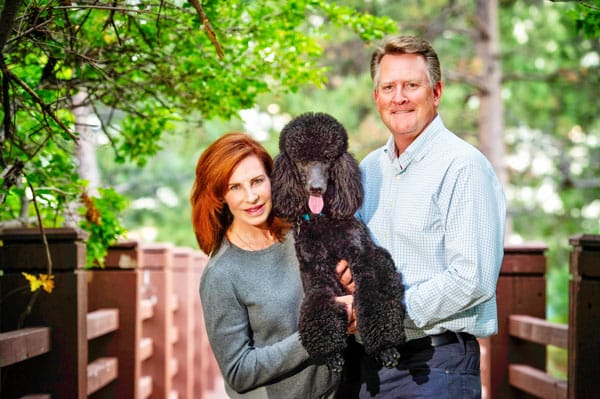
[536, 382]
[534, 329]
[101, 322]
[100, 372]
[19, 345]
[132, 329]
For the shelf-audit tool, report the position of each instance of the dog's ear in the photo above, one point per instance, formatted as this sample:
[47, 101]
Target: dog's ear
[286, 189]
[344, 190]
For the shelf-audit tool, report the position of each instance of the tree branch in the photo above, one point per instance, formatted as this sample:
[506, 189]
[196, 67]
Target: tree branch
[41, 103]
[7, 18]
[209, 30]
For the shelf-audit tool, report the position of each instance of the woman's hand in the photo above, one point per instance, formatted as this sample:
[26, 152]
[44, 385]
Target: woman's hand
[347, 301]
[345, 276]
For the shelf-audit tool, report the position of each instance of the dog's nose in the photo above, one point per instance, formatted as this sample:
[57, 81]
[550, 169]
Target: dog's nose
[317, 179]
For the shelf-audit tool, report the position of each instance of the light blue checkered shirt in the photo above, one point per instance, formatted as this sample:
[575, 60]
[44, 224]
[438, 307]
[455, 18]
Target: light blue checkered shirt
[440, 210]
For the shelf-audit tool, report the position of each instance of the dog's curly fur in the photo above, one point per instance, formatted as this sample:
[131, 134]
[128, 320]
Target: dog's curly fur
[314, 160]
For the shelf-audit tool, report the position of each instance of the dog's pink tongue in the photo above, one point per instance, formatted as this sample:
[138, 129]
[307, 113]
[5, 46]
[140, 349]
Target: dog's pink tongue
[315, 204]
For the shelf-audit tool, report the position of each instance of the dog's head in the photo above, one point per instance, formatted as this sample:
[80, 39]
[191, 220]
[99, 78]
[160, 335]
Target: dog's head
[314, 172]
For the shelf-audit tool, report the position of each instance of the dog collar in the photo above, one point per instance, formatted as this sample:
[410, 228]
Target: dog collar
[307, 217]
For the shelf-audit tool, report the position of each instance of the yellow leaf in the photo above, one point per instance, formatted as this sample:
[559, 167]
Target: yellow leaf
[45, 281]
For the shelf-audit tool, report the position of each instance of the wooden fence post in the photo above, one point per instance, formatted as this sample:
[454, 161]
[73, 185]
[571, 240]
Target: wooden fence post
[183, 319]
[62, 372]
[118, 286]
[202, 361]
[156, 262]
[584, 318]
[521, 289]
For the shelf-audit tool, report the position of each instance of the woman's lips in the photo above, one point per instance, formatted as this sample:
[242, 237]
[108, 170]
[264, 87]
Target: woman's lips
[255, 210]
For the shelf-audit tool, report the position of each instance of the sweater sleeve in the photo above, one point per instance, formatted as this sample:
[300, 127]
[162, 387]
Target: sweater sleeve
[244, 366]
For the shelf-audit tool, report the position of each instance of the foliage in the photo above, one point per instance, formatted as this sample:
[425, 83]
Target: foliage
[144, 65]
[587, 18]
[102, 221]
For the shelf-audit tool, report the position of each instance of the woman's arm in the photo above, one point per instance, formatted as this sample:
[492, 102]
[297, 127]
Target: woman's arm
[243, 365]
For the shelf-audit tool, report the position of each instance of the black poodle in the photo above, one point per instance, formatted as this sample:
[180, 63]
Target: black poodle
[316, 186]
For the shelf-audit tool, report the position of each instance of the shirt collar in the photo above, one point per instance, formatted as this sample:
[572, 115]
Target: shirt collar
[418, 148]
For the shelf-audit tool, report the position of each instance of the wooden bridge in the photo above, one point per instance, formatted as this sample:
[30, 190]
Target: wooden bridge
[134, 329]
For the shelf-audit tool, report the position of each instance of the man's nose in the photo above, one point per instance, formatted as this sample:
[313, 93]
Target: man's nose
[399, 94]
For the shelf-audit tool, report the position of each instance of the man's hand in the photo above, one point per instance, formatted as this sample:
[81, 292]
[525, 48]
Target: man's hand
[347, 301]
[345, 276]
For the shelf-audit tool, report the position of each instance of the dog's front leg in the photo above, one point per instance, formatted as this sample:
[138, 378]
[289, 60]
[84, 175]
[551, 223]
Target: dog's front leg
[379, 306]
[322, 327]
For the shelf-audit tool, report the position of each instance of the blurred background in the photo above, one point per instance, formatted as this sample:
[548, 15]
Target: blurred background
[521, 82]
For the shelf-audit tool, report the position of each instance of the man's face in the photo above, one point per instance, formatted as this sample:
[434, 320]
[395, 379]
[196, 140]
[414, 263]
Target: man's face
[404, 97]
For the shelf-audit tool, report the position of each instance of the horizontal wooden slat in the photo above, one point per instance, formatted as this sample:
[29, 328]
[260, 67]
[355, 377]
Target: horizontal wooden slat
[37, 396]
[145, 386]
[536, 382]
[174, 334]
[174, 303]
[523, 263]
[102, 321]
[146, 348]
[156, 256]
[146, 309]
[587, 264]
[174, 366]
[19, 345]
[101, 372]
[538, 330]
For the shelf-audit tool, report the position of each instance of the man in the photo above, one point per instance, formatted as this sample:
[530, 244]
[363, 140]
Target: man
[434, 202]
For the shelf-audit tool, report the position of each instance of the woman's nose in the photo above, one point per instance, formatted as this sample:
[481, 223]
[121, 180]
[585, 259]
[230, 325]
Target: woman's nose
[251, 196]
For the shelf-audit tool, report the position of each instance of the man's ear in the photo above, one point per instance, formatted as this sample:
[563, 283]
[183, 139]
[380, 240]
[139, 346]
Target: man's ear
[437, 93]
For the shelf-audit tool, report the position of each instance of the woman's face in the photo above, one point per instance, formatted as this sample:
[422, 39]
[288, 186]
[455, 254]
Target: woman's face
[248, 193]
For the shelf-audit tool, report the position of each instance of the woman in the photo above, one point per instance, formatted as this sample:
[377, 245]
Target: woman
[251, 289]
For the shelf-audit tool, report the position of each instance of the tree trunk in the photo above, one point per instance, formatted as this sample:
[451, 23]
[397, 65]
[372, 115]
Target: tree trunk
[491, 109]
[86, 155]
[86, 149]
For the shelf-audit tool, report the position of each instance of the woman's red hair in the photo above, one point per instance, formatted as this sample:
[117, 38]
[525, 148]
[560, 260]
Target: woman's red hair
[210, 215]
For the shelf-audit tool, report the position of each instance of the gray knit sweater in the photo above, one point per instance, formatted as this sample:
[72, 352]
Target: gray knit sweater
[251, 302]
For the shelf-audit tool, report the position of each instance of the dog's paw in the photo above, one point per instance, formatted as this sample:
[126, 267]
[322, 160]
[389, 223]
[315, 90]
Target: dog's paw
[335, 363]
[389, 357]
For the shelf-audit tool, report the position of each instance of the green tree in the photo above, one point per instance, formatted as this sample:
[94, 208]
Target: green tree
[143, 66]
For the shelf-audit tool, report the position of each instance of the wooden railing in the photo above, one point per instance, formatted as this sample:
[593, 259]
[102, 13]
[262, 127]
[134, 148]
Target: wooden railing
[134, 329]
[514, 360]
